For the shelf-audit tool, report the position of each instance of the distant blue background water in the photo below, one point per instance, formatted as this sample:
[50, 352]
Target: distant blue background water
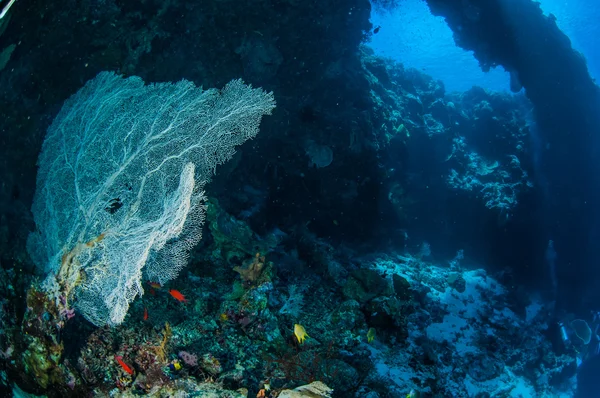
[416, 38]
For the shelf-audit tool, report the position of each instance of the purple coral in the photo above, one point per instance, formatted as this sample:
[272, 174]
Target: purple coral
[67, 313]
[71, 381]
[188, 359]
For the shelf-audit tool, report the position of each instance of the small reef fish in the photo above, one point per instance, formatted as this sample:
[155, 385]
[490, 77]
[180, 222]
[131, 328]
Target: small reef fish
[175, 366]
[177, 295]
[125, 367]
[413, 394]
[155, 285]
[300, 333]
[371, 335]
[145, 313]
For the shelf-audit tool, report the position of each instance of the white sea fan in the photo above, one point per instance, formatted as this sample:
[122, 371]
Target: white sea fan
[119, 188]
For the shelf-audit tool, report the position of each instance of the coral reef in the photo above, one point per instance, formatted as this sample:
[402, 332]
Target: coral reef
[331, 262]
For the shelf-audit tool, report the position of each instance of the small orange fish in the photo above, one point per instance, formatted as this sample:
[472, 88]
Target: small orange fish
[177, 295]
[145, 313]
[125, 367]
[154, 285]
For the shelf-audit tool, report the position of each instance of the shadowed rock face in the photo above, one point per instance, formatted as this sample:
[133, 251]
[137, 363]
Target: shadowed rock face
[516, 35]
[588, 383]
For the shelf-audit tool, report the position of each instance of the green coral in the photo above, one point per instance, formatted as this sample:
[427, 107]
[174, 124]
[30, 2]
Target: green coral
[364, 284]
[237, 291]
[41, 362]
[232, 237]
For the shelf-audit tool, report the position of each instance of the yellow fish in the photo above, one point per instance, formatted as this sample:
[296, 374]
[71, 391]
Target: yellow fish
[300, 333]
[371, 335]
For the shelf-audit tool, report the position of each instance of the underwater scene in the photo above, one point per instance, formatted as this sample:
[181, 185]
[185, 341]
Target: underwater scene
[300, 199]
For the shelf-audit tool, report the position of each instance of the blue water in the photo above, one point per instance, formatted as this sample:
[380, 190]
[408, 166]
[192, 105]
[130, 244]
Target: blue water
[416, 38]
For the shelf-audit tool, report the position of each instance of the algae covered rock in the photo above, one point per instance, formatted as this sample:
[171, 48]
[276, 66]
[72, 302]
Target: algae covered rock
[457, 282]
[401, 287]
[365, 284]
